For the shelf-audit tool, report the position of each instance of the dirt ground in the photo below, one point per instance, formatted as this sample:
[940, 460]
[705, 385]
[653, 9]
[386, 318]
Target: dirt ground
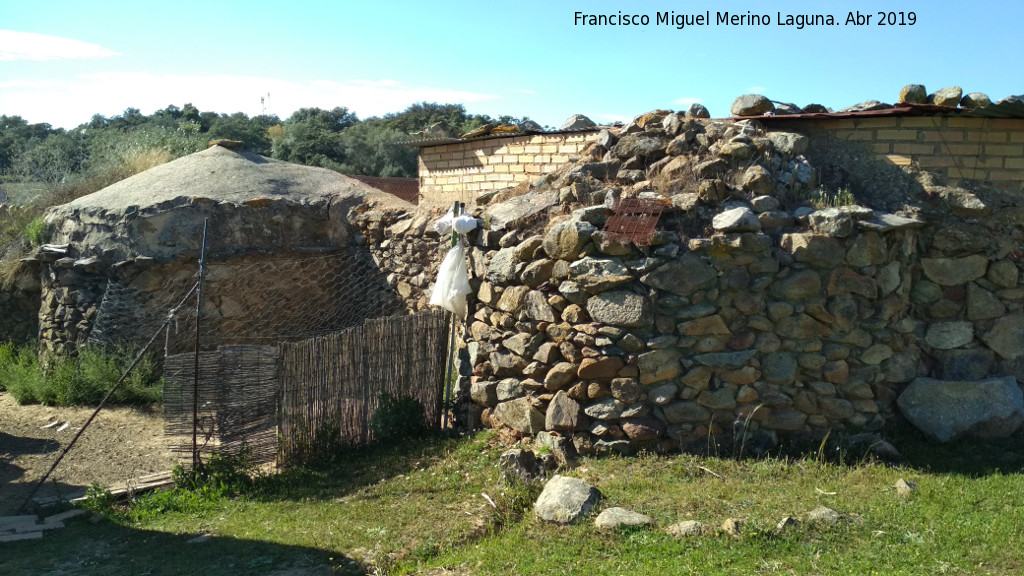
[121, 444]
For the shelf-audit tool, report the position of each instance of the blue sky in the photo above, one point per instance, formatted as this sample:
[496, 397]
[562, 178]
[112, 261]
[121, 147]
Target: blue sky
[62, 61]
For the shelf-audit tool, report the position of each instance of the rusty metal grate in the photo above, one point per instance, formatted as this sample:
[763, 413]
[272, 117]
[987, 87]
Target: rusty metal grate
[634, 220]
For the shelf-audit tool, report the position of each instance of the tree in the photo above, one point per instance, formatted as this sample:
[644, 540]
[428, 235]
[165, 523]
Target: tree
[54, 160]
[252, 131]
[312, 137]
[371, 149]
[130, 118]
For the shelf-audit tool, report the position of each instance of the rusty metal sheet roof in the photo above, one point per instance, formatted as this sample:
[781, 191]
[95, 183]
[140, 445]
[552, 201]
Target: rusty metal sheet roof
[633, 220]
[426, 143]
[1007, 109]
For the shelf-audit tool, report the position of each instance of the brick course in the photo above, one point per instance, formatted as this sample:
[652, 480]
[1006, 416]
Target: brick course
[464, 170]
[990, 150]
[982, 149]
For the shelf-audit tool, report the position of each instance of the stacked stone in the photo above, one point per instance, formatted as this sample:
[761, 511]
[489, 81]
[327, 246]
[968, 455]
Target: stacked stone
[969, 296]
[577, 335]
[70, 299]
[407, 250]
[19, 309]
[778, 322]
[748, 316]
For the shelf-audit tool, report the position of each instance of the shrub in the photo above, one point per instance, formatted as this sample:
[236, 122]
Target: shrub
[397, 418]
[35, 231]
[220, 475]
[82, 380]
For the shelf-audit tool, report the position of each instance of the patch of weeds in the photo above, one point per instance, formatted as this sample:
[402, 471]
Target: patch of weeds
[98, 499]
[511, 504]
[19, 372]
[822, 198]
[196, 491]
[155, 504]
[85, 379]
[36, 231]
[223, 475]
[315, 450]
[397, 418]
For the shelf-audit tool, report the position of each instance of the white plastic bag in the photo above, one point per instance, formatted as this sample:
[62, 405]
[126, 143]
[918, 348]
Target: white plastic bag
[464, 224]
[443, 225]
[452, 284]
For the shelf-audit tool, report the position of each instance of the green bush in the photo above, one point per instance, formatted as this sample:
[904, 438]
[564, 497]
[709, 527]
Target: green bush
[397, 418]
[36, 231]
[19, 372]
[85, 379]
[220, 475]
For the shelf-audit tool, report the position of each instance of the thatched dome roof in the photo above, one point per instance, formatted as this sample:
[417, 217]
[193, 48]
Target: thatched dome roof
[224, 175]
[253, 203]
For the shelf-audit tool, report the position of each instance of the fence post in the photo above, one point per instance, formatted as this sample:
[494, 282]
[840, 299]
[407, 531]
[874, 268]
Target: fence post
[195, 385]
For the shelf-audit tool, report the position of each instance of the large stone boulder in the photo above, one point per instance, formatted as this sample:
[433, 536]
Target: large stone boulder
[519, 415]
[577, 122]
[947, 410]
[620, 308]
[740, 219]
[946, 97]
[565, 500]
[913, 94]
[565, 239]
[683, 276]
[1007, 337]
[751, 105]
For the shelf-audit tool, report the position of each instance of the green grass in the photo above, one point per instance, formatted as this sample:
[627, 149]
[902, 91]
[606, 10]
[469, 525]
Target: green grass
[822, 198]
[418, 508]
[81, 380]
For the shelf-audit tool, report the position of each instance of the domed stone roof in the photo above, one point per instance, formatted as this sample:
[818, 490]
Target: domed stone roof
[254, 205]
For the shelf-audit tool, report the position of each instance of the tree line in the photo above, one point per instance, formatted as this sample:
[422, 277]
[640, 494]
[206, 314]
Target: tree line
[108, 148]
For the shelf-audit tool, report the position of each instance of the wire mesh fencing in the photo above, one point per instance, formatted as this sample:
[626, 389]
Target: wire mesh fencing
[289, 349]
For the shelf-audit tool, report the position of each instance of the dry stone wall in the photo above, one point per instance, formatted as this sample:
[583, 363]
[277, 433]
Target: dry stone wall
[752, 315]
[19, 308]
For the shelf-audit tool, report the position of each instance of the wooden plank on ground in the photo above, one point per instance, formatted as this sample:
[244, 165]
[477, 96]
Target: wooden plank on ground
[66, 515]
[26, 536]
[6, 521]
[25, 528]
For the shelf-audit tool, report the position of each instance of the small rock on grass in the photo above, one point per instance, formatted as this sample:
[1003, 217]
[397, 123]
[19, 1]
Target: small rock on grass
[824, 515]
[733, 527]
[904, 488]
[564, 500]
[621, 517]
[690, 528]
[786, 525]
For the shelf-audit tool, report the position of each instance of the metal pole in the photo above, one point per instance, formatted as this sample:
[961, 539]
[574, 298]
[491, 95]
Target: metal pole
[195, 383]
[457, 209]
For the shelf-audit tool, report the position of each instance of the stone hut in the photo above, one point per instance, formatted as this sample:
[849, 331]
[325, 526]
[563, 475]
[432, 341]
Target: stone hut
[121, 257]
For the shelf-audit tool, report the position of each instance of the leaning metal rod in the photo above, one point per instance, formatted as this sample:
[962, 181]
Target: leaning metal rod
[195, 383]
[138, 358]
[457, 209]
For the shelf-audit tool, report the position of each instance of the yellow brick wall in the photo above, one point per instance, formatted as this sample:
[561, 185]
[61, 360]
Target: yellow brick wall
[464, 170]
[983, 149]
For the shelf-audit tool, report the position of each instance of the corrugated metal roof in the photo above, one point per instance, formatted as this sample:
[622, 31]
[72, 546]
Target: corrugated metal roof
[1008, 109]
[426, 143]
